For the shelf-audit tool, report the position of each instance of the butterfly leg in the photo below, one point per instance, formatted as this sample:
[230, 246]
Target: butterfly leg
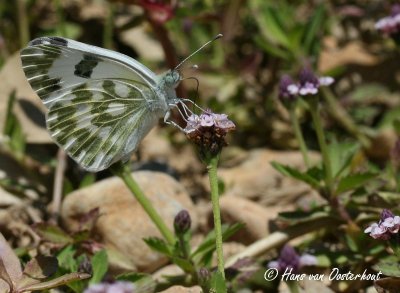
[170, 122]
[194, 104]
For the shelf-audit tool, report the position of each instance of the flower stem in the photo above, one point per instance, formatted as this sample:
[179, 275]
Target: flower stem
[23, 23]
[314, 109]
[109, 27]
[299, 135]
[212, 164]
[123, 171]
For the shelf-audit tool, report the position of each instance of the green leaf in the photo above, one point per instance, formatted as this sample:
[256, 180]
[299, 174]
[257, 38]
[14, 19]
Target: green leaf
[158, 245]
[53, 234]
[268, 20]
[294, 173]
[131, 277]
[66, 259]
[389, 267]
[9, 116]
[100, 266]
[271, 48]
[184, 264]
[142, 282]
[89, 179]
[313, 29]
[208, 243]
[13, 129]
[342, 155]
[218, 283]
[353, 181]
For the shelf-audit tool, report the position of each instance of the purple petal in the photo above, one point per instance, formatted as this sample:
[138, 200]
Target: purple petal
[308, 260]
[293, 89]
[273, 264]
[206, 120]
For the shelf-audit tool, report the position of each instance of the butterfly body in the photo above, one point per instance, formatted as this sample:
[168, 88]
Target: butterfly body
[100, 103]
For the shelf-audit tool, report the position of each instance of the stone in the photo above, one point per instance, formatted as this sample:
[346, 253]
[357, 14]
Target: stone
[255, 178]
[255, 217]
[181, 289]
[123, 223]
[167, 271]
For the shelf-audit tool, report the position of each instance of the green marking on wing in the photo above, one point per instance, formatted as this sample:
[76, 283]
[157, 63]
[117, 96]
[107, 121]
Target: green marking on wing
[36, 63]
[93, 123]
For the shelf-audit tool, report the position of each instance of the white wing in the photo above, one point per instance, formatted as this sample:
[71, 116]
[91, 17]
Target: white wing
[101, 103]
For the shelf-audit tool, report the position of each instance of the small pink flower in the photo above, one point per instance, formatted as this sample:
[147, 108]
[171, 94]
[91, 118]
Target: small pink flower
[308, 89]
[326, 80]
[206, 120]
[293, 89]
[390, 25]
[392, 224]
[388, 225]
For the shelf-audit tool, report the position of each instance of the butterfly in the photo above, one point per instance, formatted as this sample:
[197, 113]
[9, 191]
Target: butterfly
[101, 103]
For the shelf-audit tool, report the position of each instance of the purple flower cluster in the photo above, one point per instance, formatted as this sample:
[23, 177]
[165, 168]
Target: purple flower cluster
[117, 287]
[289, 259]
[209, 119]
[388, 225]
[308, 84]
[208, 131]
[390, 25]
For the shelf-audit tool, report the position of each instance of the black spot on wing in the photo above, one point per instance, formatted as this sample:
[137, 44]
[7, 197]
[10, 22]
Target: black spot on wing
[85, 67]
[37, 41]
[49, 41]
[58, 41]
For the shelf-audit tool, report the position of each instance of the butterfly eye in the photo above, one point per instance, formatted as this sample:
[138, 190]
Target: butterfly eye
[173, 78]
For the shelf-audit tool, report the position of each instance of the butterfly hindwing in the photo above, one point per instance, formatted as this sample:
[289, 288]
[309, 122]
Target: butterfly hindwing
[101, 103]
[93, 123]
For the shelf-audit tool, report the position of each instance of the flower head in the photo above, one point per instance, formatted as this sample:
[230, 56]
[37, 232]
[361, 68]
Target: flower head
[117, 287]
[284, 93]
[290, 259]
[208, 131]
[390, 25]
[388, 225]
[308, 84]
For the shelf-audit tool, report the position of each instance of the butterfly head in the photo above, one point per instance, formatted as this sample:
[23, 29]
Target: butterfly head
[172, 78]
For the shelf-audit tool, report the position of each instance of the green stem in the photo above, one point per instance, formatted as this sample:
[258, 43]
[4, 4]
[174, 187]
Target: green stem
[109, 27]
[314, 109]
[123, 171]
[61, 19]
[212, 175]
[299, 135]
[23, 23]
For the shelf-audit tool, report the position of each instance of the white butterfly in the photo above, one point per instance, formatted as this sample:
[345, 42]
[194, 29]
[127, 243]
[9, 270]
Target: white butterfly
[101, 103]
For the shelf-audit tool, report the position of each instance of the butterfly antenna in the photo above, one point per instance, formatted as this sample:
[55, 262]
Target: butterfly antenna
[197, 89]
[199, 49]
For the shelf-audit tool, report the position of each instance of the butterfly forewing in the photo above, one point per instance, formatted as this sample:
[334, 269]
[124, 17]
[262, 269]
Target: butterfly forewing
[101, 103]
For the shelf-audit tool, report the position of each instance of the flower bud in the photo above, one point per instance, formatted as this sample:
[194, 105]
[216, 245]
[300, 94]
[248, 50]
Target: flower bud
[85, 266]
[386, 214]
[182, 222]
[204, 276]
